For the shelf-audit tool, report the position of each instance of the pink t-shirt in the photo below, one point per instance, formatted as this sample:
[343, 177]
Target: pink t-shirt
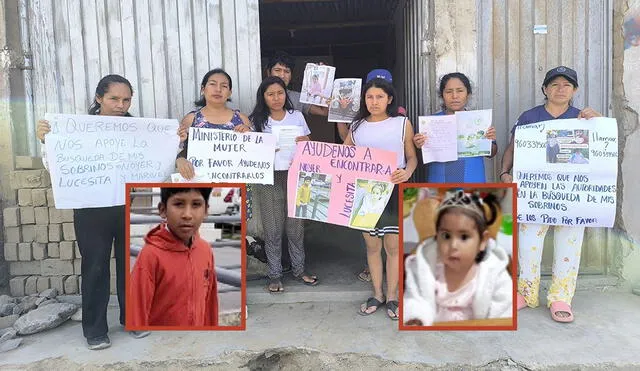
[457, 305]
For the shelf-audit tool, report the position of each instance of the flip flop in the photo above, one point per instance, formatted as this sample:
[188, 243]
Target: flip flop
[364, 276]
[372, 302]
[560, 306]
[308, 283]
[522, 303]
[392, 307]
[275, 286]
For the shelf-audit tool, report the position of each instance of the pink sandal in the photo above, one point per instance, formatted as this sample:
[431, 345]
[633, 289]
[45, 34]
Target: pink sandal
[522, 303]
[560, 306]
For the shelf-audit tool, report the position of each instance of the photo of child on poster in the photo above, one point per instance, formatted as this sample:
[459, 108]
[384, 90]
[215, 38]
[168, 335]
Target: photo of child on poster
[317, 84]
[568, 146]
[312, 196]
[345, 100]
[370, 200]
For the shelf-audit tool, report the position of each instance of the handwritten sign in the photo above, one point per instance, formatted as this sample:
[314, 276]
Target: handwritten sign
[441, 145]
[222, 156]
[91, 157]
[567, 172]
[329, 183]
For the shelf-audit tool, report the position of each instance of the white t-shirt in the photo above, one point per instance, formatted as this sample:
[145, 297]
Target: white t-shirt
[290, 119]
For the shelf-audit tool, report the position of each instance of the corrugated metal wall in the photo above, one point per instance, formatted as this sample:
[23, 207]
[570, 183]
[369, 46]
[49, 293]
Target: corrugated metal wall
[417, 64]
[164, 47]
[512, 64]
[513, 60]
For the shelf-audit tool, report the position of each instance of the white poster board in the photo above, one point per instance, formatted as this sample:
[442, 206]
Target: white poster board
[567, 172]
[225, 156]
[91, 157]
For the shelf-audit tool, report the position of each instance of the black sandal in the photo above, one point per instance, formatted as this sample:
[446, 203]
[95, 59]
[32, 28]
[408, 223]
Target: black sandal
[372, 302]
[393, 307]
[313, 282]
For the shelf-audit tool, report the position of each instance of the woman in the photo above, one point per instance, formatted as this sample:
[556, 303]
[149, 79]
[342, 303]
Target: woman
[559, 86]
[213, 113]
[455, 91]
[98, 229]
[274, 108]
[379, 126]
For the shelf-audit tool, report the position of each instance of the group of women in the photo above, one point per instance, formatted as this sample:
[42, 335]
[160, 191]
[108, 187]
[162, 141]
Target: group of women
[377, 125]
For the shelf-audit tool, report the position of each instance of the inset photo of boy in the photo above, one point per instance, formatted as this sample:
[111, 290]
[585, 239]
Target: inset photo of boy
[186, 269]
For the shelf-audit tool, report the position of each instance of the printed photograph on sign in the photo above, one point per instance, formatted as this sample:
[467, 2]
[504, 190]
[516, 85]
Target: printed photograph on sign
[312, 196]
[317, 84]
[192, 233]
[345, 100]
[568, 146]
[370, 200]
[452, 231]
[472, 128]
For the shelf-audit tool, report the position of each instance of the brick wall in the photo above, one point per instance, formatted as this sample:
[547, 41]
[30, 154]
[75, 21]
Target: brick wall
[40, 242]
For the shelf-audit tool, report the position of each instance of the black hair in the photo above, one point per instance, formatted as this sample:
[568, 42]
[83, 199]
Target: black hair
[482, 222]
[280, 57]
[260, 114]
[167, 192]
[453, 75]
[103, 87]
[307, 178]
[202, 101]
[363, 113]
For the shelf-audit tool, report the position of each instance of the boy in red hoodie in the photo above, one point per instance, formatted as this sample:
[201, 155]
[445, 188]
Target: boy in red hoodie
[173, 282]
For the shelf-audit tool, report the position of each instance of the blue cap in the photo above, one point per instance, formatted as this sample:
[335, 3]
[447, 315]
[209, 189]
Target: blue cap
[379, 74]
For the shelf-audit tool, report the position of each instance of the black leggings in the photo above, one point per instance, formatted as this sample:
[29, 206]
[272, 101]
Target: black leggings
[96, 230]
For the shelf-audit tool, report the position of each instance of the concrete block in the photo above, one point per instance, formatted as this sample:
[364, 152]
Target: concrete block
[66, 215]
[55, 215]
[12, 234]
[16, 286]
[55, 232]
[25, 268]
[29, 179]
[27, 215]
[11, 252]
[39, 250]
[77, 266]
[77, 249]
[71, 285]
[68, 231]
[24, 197]
[24, 252]
[11, 216]
[57, 282]
[56, 267]
[41, 215]
[42, 233]
[29, 163]
[28, 233]
[66, 250]
[31, 285]
[53, 250]
[43, 284]
[39, 197]
[50, 201]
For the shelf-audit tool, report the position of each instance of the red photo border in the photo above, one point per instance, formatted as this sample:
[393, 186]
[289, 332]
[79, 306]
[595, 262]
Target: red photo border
[243, 254]
[514, 259]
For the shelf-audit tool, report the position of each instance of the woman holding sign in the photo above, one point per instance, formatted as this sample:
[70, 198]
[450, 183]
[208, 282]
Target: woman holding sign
[213, 113]
[379, 126]
[98, 229]
[559, 86]
[455, 91]
[274, 110]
